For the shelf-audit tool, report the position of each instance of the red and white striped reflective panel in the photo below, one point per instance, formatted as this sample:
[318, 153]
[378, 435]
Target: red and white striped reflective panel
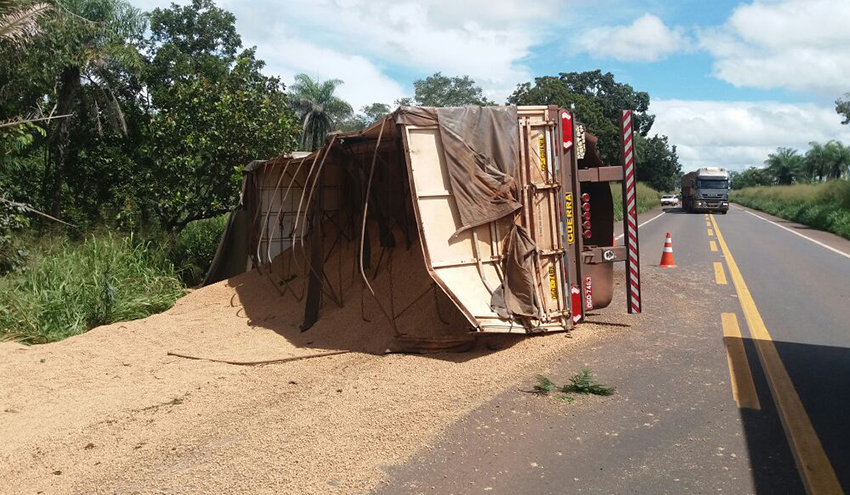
[566, 129]
[630, 215]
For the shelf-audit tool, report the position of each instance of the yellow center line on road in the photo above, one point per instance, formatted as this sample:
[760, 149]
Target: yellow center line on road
[710, 233]
[815, 469]
[719, 274]
[743, 388]
[713, 246]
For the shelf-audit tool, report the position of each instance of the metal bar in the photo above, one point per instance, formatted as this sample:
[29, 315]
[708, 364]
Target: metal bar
[363, 231]
[478, 261]
[630, 226]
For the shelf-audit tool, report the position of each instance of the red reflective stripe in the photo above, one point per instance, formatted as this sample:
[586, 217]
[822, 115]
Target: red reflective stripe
[566, 130]
[631, 210]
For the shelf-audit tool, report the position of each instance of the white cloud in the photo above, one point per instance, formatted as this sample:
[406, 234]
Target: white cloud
[364, 83]
[647, 39]
[801, 45]
[359, 40]
[486, 40]
[741, 134]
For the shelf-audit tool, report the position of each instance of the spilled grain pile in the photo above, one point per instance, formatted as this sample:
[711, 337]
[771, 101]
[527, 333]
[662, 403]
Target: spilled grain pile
[111, 410]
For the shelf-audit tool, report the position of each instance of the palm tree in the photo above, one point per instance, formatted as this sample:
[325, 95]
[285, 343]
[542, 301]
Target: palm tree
[321, 111]
[816, 160]
[19, 21]
[785, 165]
[837, 160]
[90, 41]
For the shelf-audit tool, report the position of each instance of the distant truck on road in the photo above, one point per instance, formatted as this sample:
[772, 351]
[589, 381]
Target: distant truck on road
[706, 189]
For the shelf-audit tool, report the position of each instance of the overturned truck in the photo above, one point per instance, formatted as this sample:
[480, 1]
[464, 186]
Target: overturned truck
[500, 219]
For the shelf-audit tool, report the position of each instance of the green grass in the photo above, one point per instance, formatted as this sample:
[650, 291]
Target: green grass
[71, 287]
[824, 206]
[647, 198]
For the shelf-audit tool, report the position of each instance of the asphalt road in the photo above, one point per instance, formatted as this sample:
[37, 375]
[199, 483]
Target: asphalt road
[699, 407]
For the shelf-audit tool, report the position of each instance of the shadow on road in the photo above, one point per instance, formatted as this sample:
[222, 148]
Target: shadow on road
[821, 377]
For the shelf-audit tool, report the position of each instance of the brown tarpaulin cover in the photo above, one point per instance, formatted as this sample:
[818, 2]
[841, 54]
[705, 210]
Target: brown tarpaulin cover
[517, 296]
[482, 151]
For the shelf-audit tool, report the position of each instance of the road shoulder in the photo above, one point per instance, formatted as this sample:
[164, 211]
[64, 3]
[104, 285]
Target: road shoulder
[828, 238]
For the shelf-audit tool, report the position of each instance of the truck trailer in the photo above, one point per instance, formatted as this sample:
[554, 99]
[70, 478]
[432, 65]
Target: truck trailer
[706, 189]
[503, 215]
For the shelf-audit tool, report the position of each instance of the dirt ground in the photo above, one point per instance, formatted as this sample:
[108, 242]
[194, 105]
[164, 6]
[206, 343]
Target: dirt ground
[112, 411]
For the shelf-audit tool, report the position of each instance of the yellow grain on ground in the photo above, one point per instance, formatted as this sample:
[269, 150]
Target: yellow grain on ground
[719, 274]
[743, 388]
[713, 246]
[815, 469]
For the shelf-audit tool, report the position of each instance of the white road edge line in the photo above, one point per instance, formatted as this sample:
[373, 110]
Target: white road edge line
[641, 225]
[842, 253]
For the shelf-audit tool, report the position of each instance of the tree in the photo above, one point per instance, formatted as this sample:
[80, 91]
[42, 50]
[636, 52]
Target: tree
[836, 160]
[657, 163]
[751, 177]
[19, 21]
[596, 99]
[79, 63]
[785, 165]
[842, 107]
[213, 111]
[368, 115]
[816, 161]
[320, 110]
[443, 91]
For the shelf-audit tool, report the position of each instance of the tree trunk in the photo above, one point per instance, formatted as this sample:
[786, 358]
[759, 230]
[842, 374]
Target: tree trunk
[70, 86]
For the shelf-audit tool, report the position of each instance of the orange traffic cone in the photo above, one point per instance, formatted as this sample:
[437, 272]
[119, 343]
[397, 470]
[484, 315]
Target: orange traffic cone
[667, 255]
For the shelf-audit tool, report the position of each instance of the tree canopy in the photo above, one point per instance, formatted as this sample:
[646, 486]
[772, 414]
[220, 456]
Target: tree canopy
[657, 162]
[443, 91]
[597, 100]
[162, 116]
[750, 177]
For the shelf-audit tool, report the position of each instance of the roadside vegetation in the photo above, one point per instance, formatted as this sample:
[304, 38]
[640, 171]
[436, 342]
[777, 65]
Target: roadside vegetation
[581, 383]
[70, 287]
[810, 188]
[824, 206]
[647, 198]
[123, 136]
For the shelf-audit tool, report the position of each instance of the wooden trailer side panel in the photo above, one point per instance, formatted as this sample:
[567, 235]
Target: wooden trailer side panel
[468, 268]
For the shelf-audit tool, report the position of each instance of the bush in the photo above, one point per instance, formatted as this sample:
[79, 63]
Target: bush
[824, 206]
[647, 198]
[195, 247]
[74, 287]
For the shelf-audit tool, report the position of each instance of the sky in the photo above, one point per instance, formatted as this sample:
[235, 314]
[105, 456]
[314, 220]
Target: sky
[729, 81]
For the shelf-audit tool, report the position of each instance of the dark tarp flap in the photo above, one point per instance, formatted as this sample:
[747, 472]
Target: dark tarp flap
[481, 151]
[240, 235]
[231, 257]
[517, 297]
[418, 116]
[591, 155]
